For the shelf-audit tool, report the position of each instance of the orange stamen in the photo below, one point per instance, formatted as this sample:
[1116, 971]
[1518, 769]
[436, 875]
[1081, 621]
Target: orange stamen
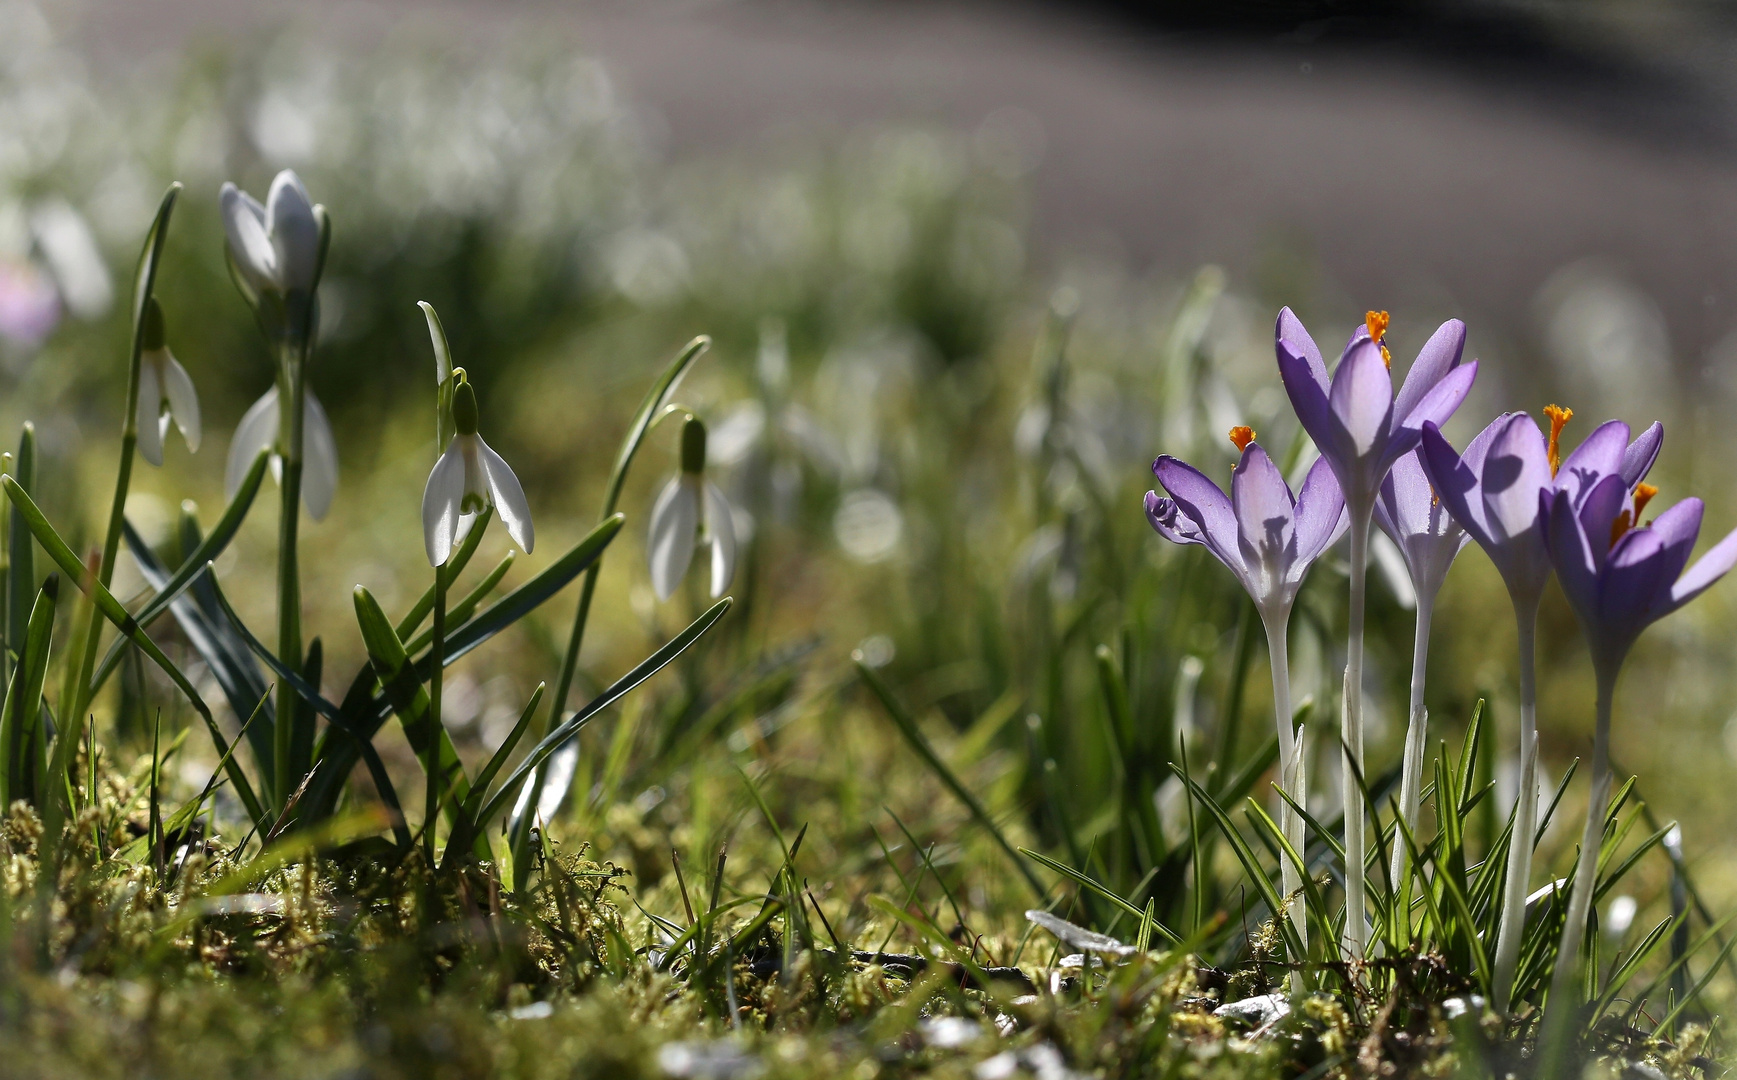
[1240, 437]
[1377, 322]
[1621, 525]
[1559, 418]
[1643, 494]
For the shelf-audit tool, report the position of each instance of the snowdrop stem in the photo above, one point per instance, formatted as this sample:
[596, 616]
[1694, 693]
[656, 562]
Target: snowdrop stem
[291, 388]
[1416, 737]
[437, 653]
[1290, 775]
[1351, 734]
[1513, 924]
[1564, 993]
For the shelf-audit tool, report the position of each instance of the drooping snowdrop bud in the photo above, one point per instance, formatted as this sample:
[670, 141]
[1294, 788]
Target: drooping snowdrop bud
[690, 511]
[468, 478]
[165, 391]
[274, 247]
[258, 431]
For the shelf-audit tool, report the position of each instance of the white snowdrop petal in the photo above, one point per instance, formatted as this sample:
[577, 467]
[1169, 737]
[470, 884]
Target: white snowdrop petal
[249, 246]
[721, 526]
[183, 400]
[440, 505]
[319, 458]
[257, 431]
[150, 405]
[294, 231]
[508, 498]
[674, 517]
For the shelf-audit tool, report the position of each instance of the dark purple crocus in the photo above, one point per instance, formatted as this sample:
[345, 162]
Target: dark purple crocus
[1619, 578]
[1498, 490]
[1362, 428]
[1268, 539]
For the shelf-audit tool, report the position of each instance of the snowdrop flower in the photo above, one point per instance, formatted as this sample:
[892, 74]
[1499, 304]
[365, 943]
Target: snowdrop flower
[165, 391]
[469, 478]
[274, 248]
[690, 511]
[258, 431]
[1362, 428]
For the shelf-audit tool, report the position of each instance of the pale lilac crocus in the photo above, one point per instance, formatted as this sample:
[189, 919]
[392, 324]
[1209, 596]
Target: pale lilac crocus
[1362, 428]
[1497, 491]
[1429, 539]
[1268, 539]
[1619, 577]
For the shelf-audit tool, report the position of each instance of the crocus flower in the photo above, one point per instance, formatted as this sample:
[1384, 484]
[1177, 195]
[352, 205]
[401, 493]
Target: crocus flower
[1499, 491]
[1269, 540]
[1619, 577]
[689, 511]
[258, 430]
[164, 391]
[276, 247]
[468, 478]
[1362, 428]
[29, 304]
[1429, 539]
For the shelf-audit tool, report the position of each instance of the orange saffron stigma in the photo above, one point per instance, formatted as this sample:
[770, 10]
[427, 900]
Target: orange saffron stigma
[1643, 494]
[1559, 418]
[1240, 437]
[1377, 322]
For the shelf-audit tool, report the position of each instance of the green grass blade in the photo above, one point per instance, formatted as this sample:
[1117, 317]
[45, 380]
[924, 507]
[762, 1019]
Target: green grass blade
[914, 738]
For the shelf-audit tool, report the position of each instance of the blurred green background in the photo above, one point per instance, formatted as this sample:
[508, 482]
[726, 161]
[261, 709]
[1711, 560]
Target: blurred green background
[968, 270]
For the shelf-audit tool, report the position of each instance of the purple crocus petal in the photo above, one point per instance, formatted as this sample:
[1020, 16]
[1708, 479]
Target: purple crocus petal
[1362, 404]
[1265, 515]
[1707, 569]
[1455, 479]
[1292, 336]
[1201, 499]
[1304, 376]
[1597, 512]
[1638, 459]
[1600, 454]
[1676, 530]
[1403, 509]
[1441, 400]
[1516, 468]
[1321, 514]
[1439, 355]
[1170, 523]
[1640, 569]
[1572, 556]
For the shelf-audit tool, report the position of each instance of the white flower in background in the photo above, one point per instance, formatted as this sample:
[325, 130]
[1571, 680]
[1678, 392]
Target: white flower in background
[165, 391]
[73, 257]
[258, 431]
[468, 478]
[275, 247]
[691, 511]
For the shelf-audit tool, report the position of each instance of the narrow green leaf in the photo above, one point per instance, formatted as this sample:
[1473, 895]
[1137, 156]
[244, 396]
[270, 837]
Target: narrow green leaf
[907, 725]
[23, 708]
[62, 555]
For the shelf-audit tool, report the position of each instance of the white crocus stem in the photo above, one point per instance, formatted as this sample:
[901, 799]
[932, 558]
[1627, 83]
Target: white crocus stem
[1513, 923]
[1416, 739]
[1564, 989]
[1291, 777]
[1351, 732]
